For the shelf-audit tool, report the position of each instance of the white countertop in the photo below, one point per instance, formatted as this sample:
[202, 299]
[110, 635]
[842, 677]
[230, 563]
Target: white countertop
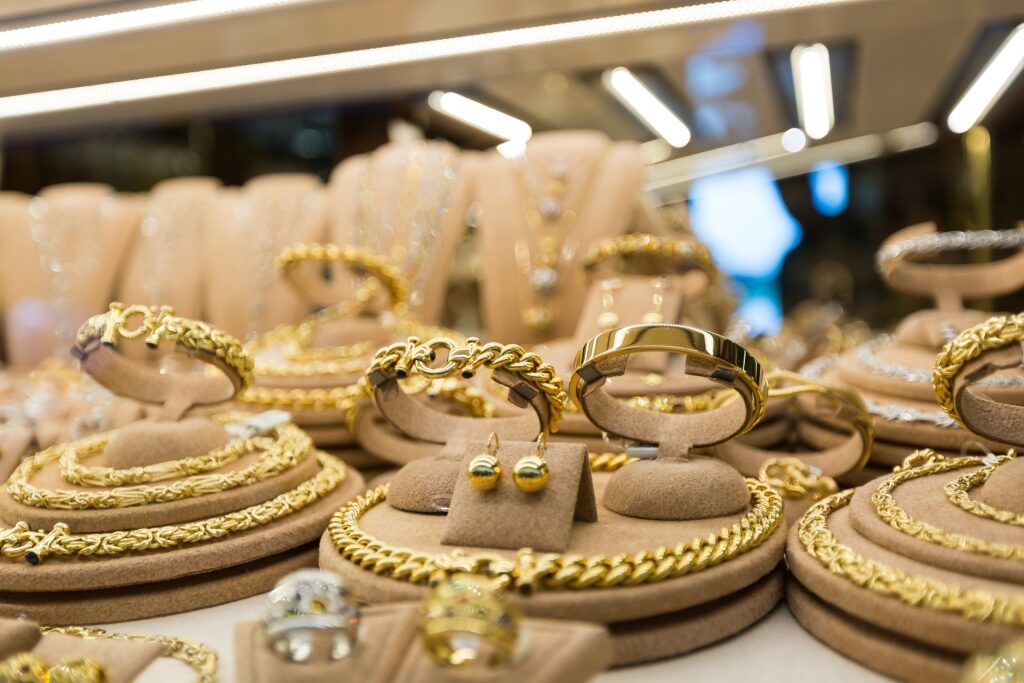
[774, 649]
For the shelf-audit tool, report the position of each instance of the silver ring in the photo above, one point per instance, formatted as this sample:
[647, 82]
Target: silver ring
[310, 616]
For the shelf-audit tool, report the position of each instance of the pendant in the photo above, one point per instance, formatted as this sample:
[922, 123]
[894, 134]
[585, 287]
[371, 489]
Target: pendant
[550, 208]
[537, 318]
[608, 320]
[652, 318]
[544, 280]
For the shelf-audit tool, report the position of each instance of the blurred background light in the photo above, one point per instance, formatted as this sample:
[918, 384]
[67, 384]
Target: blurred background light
[830, 187]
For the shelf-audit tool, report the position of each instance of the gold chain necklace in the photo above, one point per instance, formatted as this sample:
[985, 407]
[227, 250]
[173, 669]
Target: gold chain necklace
[899, 519]
[530, 570]
[21, 541]
[843, 561]
[958, 493]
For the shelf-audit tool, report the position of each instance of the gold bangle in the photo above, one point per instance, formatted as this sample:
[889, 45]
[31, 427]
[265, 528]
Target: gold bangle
[994, 333]
[530, 570]
[958, 493]
[921, 592]
[899, 519]
[411, 357]
[200, 658]
[849, 406]
[685, 254]
[157, 325]
[361, 261]
[279, 453]
[20, 541]
[712, 356]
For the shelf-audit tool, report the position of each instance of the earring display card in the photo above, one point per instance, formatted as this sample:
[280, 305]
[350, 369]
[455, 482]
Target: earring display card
[508, 517]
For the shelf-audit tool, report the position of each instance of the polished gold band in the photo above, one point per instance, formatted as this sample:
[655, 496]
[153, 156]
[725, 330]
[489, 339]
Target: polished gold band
[708, 355]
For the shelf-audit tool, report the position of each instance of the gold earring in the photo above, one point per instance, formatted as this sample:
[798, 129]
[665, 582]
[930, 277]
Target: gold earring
[608, 319]
[531, 472]
[655, 317]
[484, 470]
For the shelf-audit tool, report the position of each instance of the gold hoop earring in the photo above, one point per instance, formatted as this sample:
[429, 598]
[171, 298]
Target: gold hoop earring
[531, 472]
[484, 470]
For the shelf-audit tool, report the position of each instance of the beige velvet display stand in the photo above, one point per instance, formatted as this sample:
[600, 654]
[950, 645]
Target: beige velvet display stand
[893, 374]
[656, 508]
[903, 637]
[122, 660]
[427, 190]
[84, 229]
[242, 293]
[90, 588]
[389, 651]
[604, 211]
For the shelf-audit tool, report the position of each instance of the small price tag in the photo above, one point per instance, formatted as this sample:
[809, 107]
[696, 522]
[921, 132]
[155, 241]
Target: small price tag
[259, 424]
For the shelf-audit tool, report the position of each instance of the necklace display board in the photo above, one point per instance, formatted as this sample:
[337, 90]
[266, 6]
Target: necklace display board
[539, 212]
[170, 513]
[683, 551]
[60, 254]
[928, 559]
[893, 372]
[407, 203]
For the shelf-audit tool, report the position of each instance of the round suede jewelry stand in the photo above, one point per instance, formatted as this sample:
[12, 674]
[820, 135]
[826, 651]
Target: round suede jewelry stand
[605, 211]
[644, 619]
[91, 243]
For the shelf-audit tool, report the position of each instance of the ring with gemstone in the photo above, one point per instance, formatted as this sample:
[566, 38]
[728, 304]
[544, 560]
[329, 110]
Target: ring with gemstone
[310, 616]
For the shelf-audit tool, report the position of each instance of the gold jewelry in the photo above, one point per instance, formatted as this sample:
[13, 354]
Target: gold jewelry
[465, 623]
[21, 541]
[277, 454]
[794, 479]
[899, 519]
[608, 318]
[922, 592]
[654, 317]
[404, 359]
[461, 394]
[995, 333]
[24, 667]
[958, 493]
[484, 470]
[362, 261]
[196, 338]
[685, 254]
[1002, 665]
[529, 570]
[609, 461]
[199, 657]
[712, 356]
[690, 403]
[531, 472]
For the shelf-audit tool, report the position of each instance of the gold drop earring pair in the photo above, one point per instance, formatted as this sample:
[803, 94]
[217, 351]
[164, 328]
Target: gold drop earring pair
[530, 473]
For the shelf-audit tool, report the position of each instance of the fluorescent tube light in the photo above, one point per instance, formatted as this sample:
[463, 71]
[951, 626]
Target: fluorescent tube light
[645, 105]
[132, 20]
[812, 82]
[990, 84]
[480, 116]
[138, 89]
[793, 140]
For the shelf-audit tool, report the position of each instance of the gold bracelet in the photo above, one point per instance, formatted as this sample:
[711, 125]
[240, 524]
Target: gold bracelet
[361, 261]
[25, 667]
[900, 520]
[687, 254]
[158, 325]
[792, 478]
[609, 461]
[404, 359]
[995, 333]
[843, 561]
[461, 394]
[712, 356]
[279, 453]
[21, 541]
[200, 658]
[958, 493]
[530, 570]
[692, 403]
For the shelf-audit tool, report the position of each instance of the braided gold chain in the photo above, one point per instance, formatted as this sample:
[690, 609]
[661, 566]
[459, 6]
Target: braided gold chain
[917, 591]
[898, 518]
[794, 479]
[530, 570]
[609, 461]
[689, 253]
[200, 658]
[20, 541]
[406, 358]
[160, 324]
[992, 334]
[277, 454]
[361, 261]
[958, 493]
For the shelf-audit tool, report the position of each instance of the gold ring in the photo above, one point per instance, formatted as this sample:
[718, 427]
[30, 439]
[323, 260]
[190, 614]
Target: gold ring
[708, 355]
[24, 667]
[106, 332]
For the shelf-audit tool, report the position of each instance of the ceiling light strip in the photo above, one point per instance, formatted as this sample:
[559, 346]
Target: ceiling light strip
[812, 83]
[986, 89]
[129, 21]
[480, 116]
[646, 106]
[270, 72]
